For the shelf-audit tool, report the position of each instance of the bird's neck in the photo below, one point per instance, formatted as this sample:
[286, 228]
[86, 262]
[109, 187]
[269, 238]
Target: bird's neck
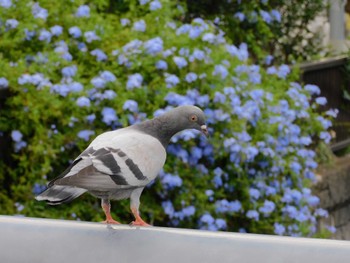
[159, 128]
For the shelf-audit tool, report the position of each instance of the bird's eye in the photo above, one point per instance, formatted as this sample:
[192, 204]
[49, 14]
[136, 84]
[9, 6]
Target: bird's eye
[193, 118]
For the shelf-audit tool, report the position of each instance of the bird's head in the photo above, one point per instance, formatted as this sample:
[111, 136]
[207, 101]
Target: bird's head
[189, 117]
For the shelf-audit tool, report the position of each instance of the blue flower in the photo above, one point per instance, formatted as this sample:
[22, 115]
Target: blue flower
[313, 200]
[271, 70]
[324, 122]
[219, 97]
[295, 167]
[321, 100]
[283, 71]
[38, 188]
[143, 2]
[108, 76]
[321, 212]
[99, 54]
[61, 89]
[45, 35]
[185, 135]
[254, 193]
[191, 77]
[82, 47]
[253, 214]
[270, 191]
[220, 223]
[29, 34]
[240, 16]
[56, 30]
[250, 152]
[162, 65]
[83, 102]
[325, 136]
[291, 211]
[207, 218]
[16, 136]
[85, 134]
[11, 23]
[183, 29]
[209, 192]
[189, 211]
[279, 229]
[195, 31]
[109, 94]
[185, 52]
[70, 71]
[140, 26]
[268, 207]
[108, 115]
[178, 151]
[276, 15]
[168, 208]
[83, 11]
[90, 118]
[332, 112]
[312, 89]
[39, 12]
[217, 181]
[266, 16]
[133, 46]
[154, 5]
[3, 83]
[74, 31]
[154, 46]
[5, 3]
[197, 54]
[124, 21]
[220, 70]
[98, 82]
[171, 80]
[91, 36]
[131, 105]
[180, 62]
[170, 181]
[76, 87]
[209, 37]
[224, 206]
[268, 59]
[134, 81]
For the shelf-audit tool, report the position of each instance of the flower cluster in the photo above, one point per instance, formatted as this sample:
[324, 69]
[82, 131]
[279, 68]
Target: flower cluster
[82, 73]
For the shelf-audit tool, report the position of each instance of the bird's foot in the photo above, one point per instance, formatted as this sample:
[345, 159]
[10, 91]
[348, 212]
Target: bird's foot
[111, 221]
[139, 223]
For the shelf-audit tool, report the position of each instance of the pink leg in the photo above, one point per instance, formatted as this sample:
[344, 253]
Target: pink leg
[138, 220]
[106, 206]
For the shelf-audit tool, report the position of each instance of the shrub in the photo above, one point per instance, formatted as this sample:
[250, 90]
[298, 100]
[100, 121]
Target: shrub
[282, 28]
[74, 71]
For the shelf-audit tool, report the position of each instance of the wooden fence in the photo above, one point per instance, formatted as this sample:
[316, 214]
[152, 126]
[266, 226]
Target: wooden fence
[332, 78]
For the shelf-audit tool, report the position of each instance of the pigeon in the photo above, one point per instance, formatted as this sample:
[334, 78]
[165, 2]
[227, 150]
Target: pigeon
[119, 164]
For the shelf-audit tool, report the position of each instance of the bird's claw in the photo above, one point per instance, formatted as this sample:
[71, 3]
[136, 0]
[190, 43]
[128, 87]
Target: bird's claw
[111, 221]
[139, 223]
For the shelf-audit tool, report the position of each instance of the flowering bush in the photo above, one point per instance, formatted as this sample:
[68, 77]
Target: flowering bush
[75, 70]
[284, 26]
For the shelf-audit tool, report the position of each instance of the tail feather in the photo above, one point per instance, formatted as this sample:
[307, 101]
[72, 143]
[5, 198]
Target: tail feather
[59, 194]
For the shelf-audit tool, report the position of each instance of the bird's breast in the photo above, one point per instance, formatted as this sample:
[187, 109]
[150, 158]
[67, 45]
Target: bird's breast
[139, 156]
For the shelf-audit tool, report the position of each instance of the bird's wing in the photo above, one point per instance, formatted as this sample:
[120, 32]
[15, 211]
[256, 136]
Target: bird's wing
[126, 159]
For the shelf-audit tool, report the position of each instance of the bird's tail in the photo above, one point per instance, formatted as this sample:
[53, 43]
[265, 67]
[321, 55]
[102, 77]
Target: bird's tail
[59, 194]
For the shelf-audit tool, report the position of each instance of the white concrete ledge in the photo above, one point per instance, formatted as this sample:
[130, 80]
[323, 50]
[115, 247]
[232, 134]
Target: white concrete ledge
[45, 240]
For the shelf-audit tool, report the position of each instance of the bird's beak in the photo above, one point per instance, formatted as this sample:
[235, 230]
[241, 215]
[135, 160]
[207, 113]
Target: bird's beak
[204, 130]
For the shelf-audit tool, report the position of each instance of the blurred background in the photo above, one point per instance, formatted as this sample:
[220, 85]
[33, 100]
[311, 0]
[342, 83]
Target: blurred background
[271, 76]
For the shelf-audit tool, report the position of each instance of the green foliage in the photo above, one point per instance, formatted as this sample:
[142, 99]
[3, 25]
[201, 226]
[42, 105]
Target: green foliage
[288, 37]
[253, 173]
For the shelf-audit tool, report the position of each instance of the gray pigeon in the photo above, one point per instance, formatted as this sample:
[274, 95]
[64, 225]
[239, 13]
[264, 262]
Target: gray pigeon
[119, 164]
